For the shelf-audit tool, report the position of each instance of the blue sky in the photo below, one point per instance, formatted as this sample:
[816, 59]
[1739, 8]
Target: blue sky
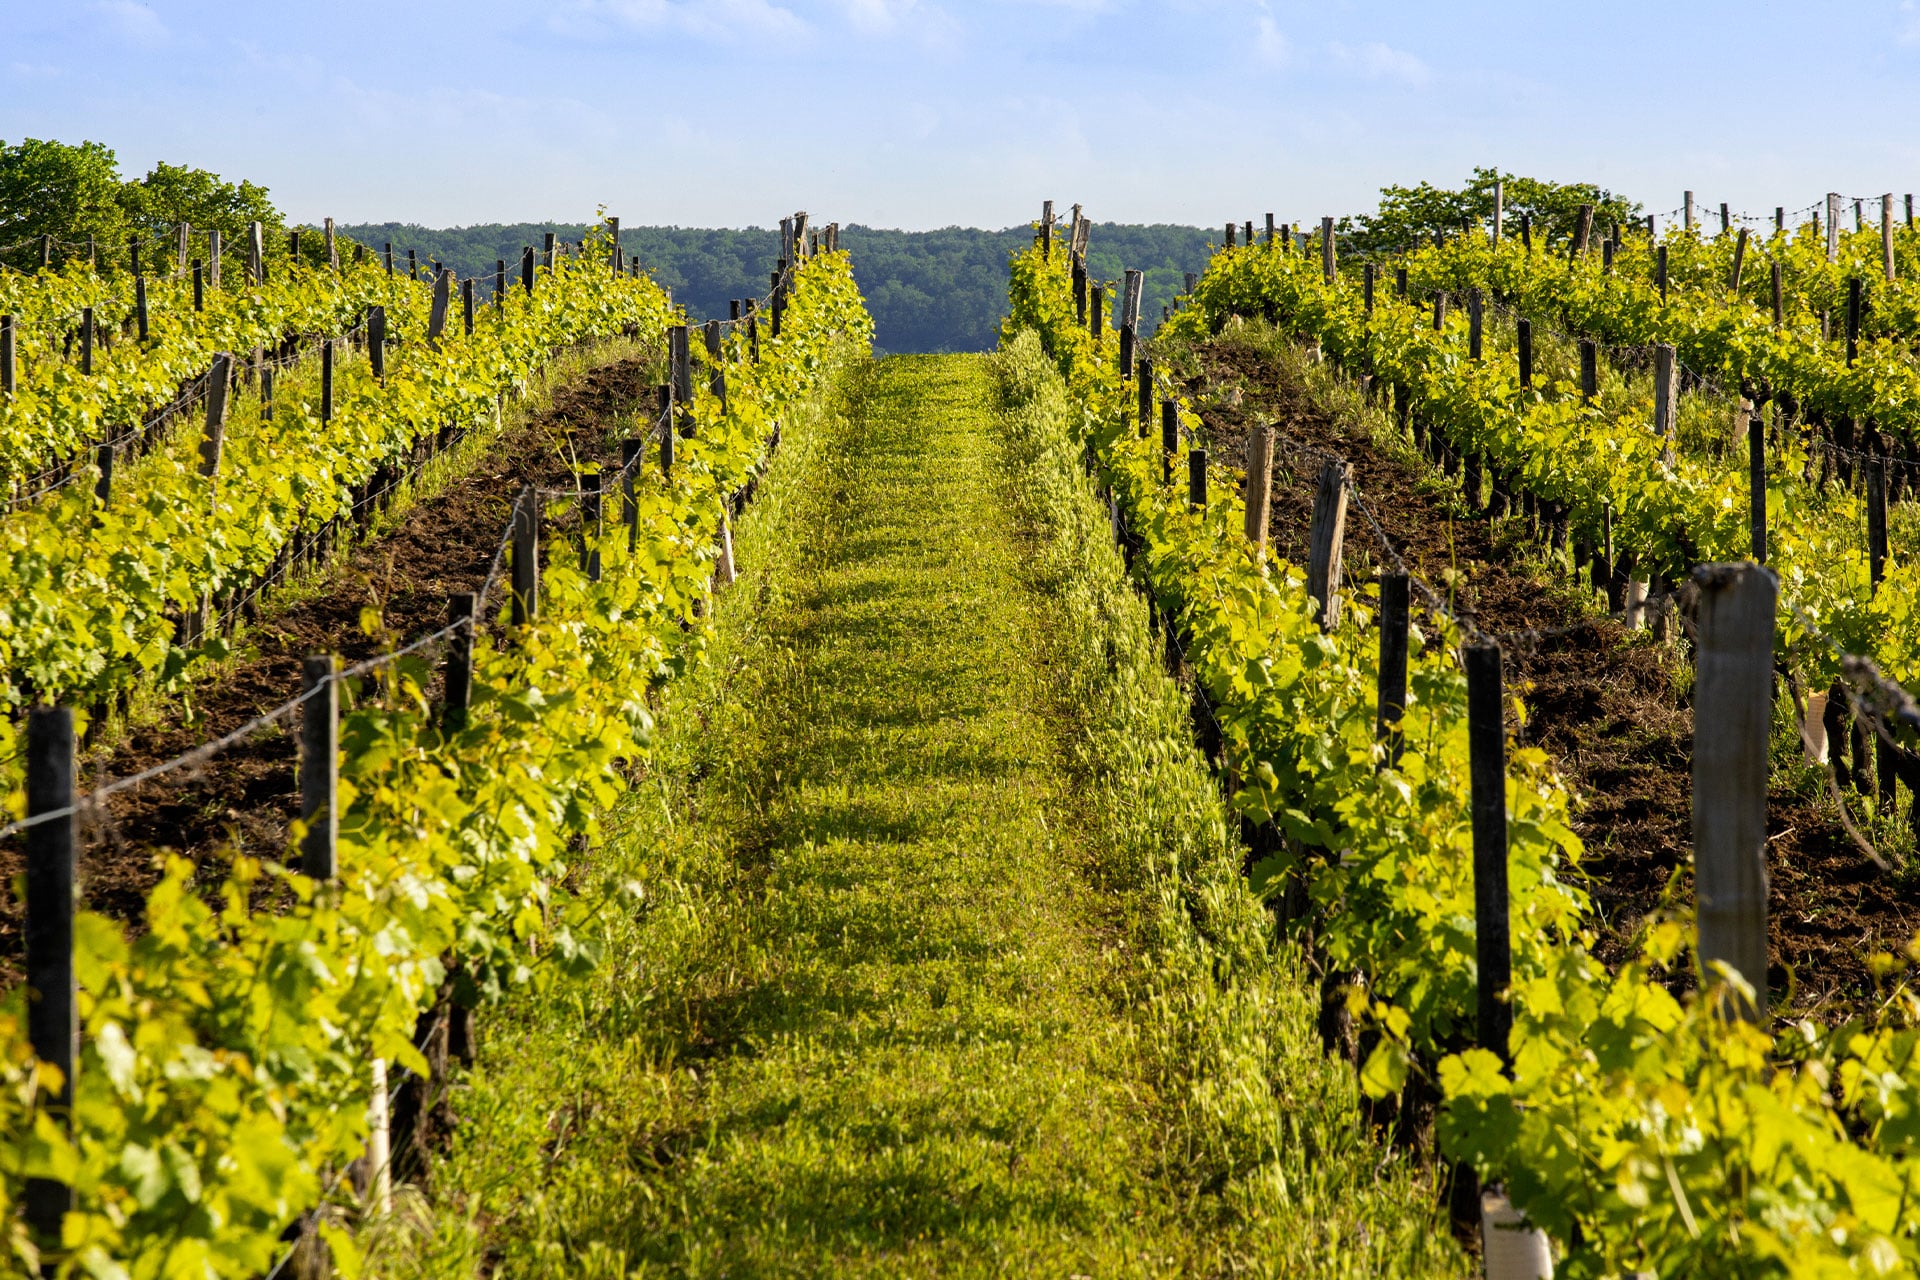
[924, 113]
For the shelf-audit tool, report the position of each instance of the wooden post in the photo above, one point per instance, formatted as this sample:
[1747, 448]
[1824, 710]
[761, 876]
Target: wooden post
[1499, 208]
[613, 245]
[1757, 488]
[1833, 226]
[546, 250]
[1732, 720]
[1328, 266]
[140, 307]
[1660, 270]
[680, 360]
[1197, 479]
[1686, 212]
[1325, 546]
[1524, 332]
[1474, 322]
[1726, 218]
[526, 269]
[1779, 300]
[453, 716]
[1439, 311]
[214, 439]
[256, 253]
[1126, 351]
[1046, 229]
[103, 462]
[1392, 686]
[86, 342]
[1666, 391]
[326, 380]
[1876, 517]
[182, 234]
[413, 264]
[526, 557]
[466, 305]
[7, 374]
[1145, 397]
[667, 435]
[1739, 260]
[1269, 239]
[199, 286]
[1526, 232]
[53, 1022]
[1259, 491]
[213, 259]
[320, 767]
[1886, 235]
[1079, 292]
[1589, 370]
[1487, 748]
[1583, 232]
[1400, 283]
[1367, 274]
[377, 341]
[437, 312]
[1853, 320]
[1099, 310]
[1169, 438]
[632, 450]
[499, 282]
[1249, 233]
[333, 247]
[1228, 243]
[592, 508]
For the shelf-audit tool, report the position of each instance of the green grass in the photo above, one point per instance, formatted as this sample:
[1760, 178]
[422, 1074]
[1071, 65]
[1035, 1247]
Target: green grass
[943, 963]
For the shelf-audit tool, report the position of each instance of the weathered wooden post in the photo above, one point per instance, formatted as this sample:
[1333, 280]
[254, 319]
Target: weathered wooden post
[1589, 370]
[1327, 264]
[1326, 542]
[1487, 749]
[377, 341]
[1475, 322]
[1757, 487]
[1395, 599]
[1732, 723]
[1259, 491]
[320, 767]
[591, 522]
[53, 1022]
[1523, 332]
[632, 452]
[1169, 438]
[459, 675]
[526, 557]
[1197, 479]
[1145, 397]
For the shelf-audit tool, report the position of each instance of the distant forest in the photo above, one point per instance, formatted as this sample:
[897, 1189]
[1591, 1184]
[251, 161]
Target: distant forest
[928, 290]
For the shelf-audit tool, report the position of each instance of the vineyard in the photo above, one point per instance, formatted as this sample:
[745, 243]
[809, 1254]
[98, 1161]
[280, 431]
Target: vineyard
[1410, 770]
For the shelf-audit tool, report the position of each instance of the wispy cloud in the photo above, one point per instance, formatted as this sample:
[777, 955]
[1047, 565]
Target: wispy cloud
[1377, 61]
[716, 20]
[1270, 44]
[1908, 32]
[920, 21]
[132, 21]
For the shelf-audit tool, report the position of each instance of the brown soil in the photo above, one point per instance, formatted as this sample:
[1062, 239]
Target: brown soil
[1602, 701]
[243, 800]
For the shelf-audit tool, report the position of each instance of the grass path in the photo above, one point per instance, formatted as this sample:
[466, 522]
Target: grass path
[874, 1012]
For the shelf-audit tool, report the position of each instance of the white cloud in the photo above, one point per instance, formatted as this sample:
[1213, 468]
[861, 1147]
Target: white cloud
[718, 20]
[1377, 61]
[1909, 32]
[133, 22]
[1269, 44]
[918, 20]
